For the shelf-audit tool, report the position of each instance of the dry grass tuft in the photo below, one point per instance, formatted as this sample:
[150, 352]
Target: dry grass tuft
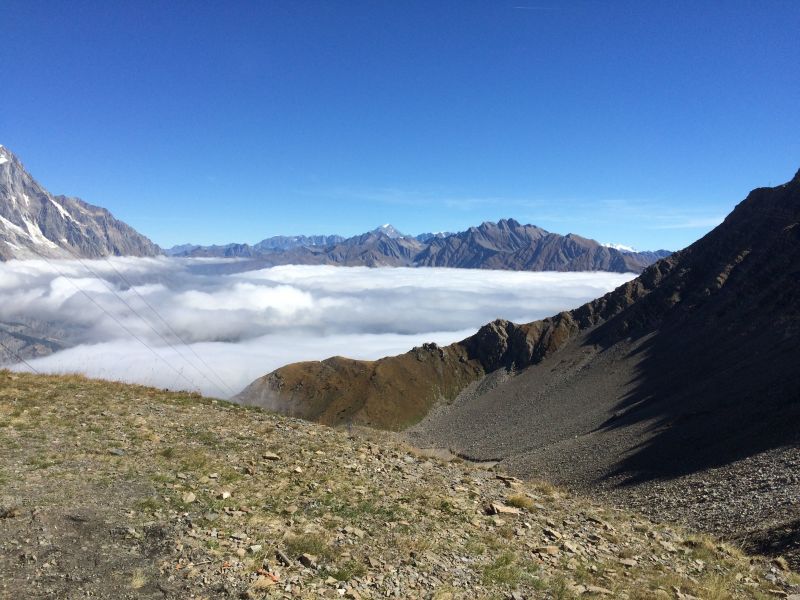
[138, 580]
[521, 501]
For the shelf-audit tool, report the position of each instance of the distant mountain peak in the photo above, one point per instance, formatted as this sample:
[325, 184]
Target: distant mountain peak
[389, 231]
[434, 235]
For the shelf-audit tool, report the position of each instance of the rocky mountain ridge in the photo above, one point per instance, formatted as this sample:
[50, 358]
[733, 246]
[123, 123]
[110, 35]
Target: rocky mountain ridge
[35, 223]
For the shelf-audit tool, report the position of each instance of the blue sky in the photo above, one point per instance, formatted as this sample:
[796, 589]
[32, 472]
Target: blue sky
[640, 123]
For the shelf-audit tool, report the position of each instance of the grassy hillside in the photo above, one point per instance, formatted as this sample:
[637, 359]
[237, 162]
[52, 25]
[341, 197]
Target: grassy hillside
[109, 490]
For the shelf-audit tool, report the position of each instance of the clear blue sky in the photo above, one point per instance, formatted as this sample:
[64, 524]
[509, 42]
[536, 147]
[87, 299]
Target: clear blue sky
[633, 122]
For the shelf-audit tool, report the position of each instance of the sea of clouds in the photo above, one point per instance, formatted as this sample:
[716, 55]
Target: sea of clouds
[127, 319]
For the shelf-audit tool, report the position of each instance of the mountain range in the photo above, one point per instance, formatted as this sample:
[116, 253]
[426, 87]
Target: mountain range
[34, 223]
[506, 245]
[684, 379]
[283, 243]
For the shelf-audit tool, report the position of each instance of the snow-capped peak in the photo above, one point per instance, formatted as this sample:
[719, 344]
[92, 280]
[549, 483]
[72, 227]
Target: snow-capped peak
[620, 247]
[389, 231]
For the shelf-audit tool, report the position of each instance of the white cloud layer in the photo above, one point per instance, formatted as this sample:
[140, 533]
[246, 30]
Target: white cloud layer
[244, 321]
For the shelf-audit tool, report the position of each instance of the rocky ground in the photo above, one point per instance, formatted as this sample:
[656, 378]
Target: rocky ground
[754, 502]
[558, 424]
[119, 491]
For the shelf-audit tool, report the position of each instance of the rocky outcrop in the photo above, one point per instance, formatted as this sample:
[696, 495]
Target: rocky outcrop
[34, 222]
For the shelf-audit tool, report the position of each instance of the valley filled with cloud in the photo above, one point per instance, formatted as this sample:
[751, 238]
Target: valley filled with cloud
[215, 325]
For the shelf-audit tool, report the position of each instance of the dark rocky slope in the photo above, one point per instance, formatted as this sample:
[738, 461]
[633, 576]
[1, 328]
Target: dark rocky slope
[34, 222]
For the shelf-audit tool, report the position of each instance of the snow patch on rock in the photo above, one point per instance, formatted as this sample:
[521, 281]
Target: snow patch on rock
[12, 227]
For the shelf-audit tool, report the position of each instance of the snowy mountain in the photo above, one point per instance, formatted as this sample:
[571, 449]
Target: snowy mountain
[427, 237]
[283, 242]
[35, 223]
[389, 231]
[620, 247]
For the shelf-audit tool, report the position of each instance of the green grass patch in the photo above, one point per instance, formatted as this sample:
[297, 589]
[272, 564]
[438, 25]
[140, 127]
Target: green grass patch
[353, 511]
[308, 543]
[506, 569]
[347, 571]
[194, 461]
[44, 462]
[151, 504]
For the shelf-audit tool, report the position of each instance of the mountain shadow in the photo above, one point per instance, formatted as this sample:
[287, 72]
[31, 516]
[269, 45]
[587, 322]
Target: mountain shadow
[718, 376]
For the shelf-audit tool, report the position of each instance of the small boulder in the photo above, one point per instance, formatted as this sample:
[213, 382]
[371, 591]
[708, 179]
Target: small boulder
[501, 509]
[308, 560]
[597, 590]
